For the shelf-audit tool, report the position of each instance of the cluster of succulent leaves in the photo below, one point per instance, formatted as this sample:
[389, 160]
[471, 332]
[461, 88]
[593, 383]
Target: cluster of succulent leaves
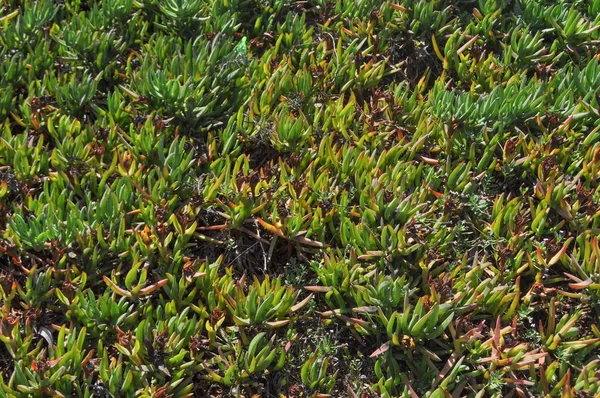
[299, 198]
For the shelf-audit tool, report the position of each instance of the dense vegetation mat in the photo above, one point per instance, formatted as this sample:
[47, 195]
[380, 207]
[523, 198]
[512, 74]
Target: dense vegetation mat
[269, 198]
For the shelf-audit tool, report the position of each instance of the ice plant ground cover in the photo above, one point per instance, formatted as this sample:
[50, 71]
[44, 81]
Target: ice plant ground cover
[276, 198]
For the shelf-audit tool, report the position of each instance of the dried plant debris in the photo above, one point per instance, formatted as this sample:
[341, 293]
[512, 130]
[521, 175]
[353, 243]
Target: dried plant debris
[280, 198]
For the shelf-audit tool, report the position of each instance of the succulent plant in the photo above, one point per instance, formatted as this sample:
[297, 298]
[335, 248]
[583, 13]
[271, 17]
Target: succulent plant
[328, 198]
